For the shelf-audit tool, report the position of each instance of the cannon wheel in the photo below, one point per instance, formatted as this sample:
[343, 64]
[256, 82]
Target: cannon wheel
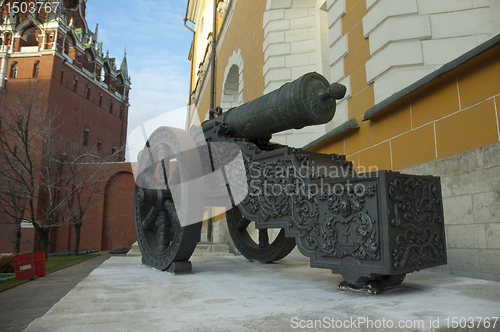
[161, 238]
[263, 251]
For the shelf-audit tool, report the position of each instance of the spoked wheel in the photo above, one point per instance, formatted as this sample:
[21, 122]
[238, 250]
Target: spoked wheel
[265, 251]
[167, 158]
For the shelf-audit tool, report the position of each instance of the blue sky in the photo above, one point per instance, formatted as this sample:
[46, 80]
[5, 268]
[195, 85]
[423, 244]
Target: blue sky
[157, 54]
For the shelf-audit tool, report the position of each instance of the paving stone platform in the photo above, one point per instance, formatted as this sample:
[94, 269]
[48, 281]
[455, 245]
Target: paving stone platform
[229, 293]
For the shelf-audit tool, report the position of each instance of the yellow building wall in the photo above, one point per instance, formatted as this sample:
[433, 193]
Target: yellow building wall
[453, 113]
[198, 36]
[245, 33]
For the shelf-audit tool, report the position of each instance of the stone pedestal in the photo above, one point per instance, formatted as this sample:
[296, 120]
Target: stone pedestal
[135, 251]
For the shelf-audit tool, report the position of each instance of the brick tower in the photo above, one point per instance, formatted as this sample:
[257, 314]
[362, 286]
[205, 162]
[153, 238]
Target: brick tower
[55, 46]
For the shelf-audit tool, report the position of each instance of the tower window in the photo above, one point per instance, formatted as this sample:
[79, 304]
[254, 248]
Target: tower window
[86, 136]
[111, 107]
[75, 83]
[13, 70]
[113, 150]
[99, 143]
[62, 75]
[87, 91]
[121, 112]
[100, 99]
[36, 68]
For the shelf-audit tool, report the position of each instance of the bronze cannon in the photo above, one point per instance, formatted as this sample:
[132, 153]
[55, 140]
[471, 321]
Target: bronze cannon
[372, 228]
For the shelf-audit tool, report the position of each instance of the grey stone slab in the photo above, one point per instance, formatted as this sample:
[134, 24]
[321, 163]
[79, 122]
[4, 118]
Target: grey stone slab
[471, 274]
[476, 160]
[486, 207]
[460, 236]
[458, 210]
[493, 237]
[233, 294]
[491, 155]
[478, 231]
[480, 181]
[453, 165]
[463, 259]
[428, 168]
[446, 185]
[489, 260]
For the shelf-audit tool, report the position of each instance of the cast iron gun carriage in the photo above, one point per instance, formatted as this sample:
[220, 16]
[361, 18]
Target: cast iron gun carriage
[372, 228]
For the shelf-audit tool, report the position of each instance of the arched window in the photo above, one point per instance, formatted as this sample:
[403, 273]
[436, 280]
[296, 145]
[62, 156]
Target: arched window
[113, 150]
[75, 83]
[88, 61]
[111, 106]
[99, 143]
[36, 68]
[85, 136]
[100, 98]
[87, 91]
[121, 112]
[66, 48]
[102, 76]
[29, 38]
[120, 86]
[13, 70]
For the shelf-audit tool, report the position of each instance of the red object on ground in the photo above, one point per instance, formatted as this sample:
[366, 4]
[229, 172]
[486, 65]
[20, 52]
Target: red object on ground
[39, 260]
[28, 266]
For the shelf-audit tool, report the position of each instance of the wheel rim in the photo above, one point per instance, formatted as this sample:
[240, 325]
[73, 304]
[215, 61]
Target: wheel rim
[161, 238]
[264, 251]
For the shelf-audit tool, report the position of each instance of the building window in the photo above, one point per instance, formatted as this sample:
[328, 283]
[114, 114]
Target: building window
[87, 91]
[113, 150]
[75, 83]
[121, 112]
[13, 70]
[100, 99]
[86, 136]
[99, 143]
[111, 106]
[62, 75]
[36, 68]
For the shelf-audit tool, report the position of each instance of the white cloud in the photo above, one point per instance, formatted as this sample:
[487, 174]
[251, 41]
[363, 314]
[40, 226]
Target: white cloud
[157, 49]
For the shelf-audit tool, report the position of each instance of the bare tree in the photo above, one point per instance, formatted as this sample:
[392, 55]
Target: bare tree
[12, 206]
[86, 174]
[28, 146]
[50, 174]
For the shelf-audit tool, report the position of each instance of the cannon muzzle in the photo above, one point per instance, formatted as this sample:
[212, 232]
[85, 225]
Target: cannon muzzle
[309, 100]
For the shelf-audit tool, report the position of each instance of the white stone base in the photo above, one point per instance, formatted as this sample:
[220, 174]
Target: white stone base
[135, 251]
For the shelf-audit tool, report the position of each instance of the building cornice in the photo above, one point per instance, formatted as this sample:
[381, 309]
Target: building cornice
[92, 80]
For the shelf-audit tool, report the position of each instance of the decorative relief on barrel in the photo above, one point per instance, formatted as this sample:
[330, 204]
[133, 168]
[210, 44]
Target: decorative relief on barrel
[417, 217]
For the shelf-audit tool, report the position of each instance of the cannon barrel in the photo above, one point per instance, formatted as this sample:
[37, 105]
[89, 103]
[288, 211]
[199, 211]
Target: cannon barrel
[309, 100]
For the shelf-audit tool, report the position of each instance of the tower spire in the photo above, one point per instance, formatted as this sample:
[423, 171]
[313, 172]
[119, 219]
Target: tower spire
[124, 67]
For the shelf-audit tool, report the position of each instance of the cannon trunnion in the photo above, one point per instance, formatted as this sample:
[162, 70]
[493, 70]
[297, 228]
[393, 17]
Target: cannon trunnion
[371, 228]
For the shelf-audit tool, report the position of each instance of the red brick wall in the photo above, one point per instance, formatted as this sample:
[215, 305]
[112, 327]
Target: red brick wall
[108, 225]
[79, 112]
[7, 238]
[118, 230]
